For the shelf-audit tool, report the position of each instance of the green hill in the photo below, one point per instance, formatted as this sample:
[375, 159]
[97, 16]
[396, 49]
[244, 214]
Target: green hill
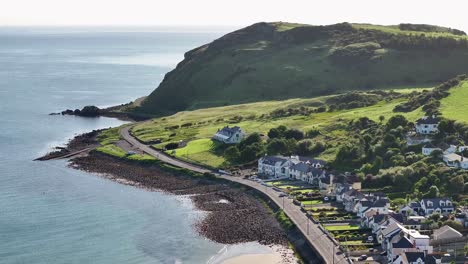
[277, 61]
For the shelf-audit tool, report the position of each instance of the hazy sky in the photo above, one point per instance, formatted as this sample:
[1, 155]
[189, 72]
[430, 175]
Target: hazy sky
[450, 13]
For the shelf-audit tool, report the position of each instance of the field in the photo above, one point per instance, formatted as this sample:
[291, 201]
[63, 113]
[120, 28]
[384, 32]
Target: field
[342, 227]
[455, 106]
[201, 151]
[198, 126]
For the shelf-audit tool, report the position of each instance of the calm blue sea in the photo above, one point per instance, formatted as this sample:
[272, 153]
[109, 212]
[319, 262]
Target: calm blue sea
[52, 214]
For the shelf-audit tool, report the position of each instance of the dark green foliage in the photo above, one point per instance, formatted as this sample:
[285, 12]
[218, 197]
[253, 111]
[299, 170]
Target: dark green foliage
[232, 154]
[312, 133]
[430, 28]
[294, 133]
[396, 121]
[277, 132]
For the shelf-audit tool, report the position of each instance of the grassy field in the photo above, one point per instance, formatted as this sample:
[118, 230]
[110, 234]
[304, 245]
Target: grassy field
[455, 106]
[201, 151]
[198, 126]
[342, 227]
[394, 29]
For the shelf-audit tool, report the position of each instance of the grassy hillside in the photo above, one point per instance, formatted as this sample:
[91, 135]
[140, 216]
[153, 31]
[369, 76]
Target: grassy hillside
[278, 61]
[455, 106]
[198, 126]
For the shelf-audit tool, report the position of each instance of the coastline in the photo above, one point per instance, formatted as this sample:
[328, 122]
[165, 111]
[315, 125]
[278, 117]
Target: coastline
[223, 203]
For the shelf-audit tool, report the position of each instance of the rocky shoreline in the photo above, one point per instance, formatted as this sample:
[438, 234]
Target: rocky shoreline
[80, 142]
[234, 215]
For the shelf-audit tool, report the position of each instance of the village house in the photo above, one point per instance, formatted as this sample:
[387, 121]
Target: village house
[456, 161]
[274, 167]
[428, 149]
[441, 206]
[410, 258]
[412, 208]
[297, 168]
[446, 232]
[427, 125]
[229, 135]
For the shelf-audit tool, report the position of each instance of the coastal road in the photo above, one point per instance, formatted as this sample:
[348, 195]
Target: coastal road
[315, 236]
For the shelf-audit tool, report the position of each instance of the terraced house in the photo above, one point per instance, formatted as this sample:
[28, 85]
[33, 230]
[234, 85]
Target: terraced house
[297, 168]
[441, 206]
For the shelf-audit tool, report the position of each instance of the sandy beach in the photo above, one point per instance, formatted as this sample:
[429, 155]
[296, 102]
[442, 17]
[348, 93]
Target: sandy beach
[272, 258]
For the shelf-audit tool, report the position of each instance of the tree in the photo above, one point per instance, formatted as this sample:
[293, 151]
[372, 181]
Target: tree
[377, 165]
[232, 154]
[294, 133]
[277, 146]
[454, 224]
[277, 132]
[432, 193]
[381, 118]
[457, 184]
[251, 139]
[396, 121]
[313, 133]
[303, 148]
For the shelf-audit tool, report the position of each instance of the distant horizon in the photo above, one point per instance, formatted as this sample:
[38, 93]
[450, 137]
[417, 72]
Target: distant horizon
[237, 14]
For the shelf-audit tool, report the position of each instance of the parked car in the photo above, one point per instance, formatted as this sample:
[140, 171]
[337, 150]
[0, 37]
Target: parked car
[370, 239]
[362, 257]
[282, 195]
[371, 250]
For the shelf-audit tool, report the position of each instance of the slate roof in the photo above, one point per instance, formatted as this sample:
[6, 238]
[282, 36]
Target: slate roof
[312, 161]
[414, 205]
[379, 218]
[399, 217]
[403, 243]
[301, 166]
[272, 160]
[436, 203]
[414, 256]
[227, 131]
[426, 120]
[447, 229]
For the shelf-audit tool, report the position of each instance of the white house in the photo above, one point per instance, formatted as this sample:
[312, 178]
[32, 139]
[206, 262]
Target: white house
[427, 125]
[428, 149]
[229, 135]
[410, 258]
[294, 167]
[456, 161]
[441, 206]
[274, 166]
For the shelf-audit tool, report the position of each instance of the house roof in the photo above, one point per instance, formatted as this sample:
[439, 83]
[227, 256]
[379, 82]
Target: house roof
[436, 203]
[447, 230]
[414, 256]
[453, 157]
[398, 217]
[272, 160]
[391, 228]
[301, 166]
[414, 205]
[379, 218]
[403, 243]
[426, 120]
[227, 132]
[312, 161]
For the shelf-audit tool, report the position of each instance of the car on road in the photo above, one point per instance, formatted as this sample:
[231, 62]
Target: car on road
[362, 258]
[282, 195]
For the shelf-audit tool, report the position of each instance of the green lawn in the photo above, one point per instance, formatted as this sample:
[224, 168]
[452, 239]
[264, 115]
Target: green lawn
[202, 124]
[305, 191]
[200, 151]
[115, 151]
[311, 202]
[342, 227]
[455, 106]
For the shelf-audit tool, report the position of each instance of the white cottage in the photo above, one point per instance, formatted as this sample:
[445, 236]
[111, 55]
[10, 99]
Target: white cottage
[427, 125]
[229, 135]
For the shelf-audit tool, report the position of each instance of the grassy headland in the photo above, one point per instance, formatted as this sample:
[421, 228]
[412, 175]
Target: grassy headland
[279, 61]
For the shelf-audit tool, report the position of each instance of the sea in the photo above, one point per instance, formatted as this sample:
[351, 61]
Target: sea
[50, 213]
